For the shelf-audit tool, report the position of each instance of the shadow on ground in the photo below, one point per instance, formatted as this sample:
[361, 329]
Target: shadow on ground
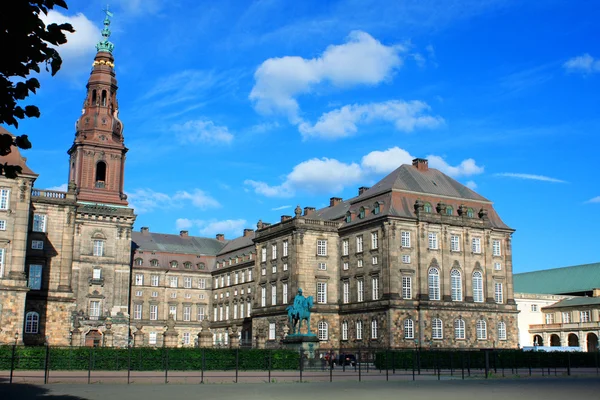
[24, 391]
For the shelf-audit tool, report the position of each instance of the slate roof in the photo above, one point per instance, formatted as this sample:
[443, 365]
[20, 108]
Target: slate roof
[176, 244]
[575, 302]
[577, 278]
[238, 244]
[15, 157]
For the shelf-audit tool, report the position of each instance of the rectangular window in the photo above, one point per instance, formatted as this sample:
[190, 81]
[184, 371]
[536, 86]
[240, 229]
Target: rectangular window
[2, 225]
[241, 310]
[139, 279]
[263, 254]
[35, 277]
[359, 244]
[201, 315]
[359, 330]
[273, 251]
[37, 244]
[374, 329]
[345, 247]
[322, 266]
[138, 293]
[374, 260]
[137, 311]
[98, 249]
[187, 313]
[285, 248]
[173, 312]
[406, 258]
[248, 309]
[344, 330]
[285, 293]
[497, 266]
[154, 280]
[273, 295]
[263, 296]
[454, 243]
[285, 266]
[222, 281]
[186, 338]
[345, 266]
[227, 312]
[174, 295]
[375, 287]
[433, 241]
[496, 248]
[236, 278]
[405, 239]
[152, 338]
[360, 288]
[476, 245]
[39, 222]
[154, 294]
[187, 282]
[549, 319]
[271, 330]
[235, 312]
[173, 282]
[374, 240]
[584, 316]
[566, 317]
[359, 263]
[94, 309]
[274, 269]
[321, 292]
[97, 273]
[406, 287]
[263, 271]
[4, 199]
[321, 247]
[216, 285]
[409, 329]
[228, 279]
[498, 293]
[534, 308]
[346, 292]
[215, 314]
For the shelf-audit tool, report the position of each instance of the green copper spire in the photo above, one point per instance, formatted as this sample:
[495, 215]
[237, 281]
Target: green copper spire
[104, 44]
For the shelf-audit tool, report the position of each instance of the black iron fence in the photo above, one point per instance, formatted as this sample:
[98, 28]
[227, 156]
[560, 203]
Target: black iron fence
[129, 365]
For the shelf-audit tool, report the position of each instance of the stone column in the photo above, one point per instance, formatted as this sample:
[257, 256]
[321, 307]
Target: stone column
[205, 338]
[170, 335]
[261, 338]
[234, 337]
[76, 337]
[68, 241]
[138, 336]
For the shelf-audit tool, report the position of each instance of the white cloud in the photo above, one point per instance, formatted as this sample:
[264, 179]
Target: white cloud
[343, 122]
[329, 175]
[585, 64]
[530, 177]
[76, 53]
[280, 208]
[467, 167]
[471, 185]
[60, 188]
[202, 131]
[362, 60]
[233, 227]
[183, 223]
[594, 200]
[147, 200]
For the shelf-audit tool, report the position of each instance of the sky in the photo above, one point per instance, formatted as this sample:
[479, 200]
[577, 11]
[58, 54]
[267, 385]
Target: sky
[236, 111]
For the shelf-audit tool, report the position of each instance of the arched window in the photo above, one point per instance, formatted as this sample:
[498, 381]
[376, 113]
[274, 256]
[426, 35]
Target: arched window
[348, 217]
[173, 264]
[449, 210]
[94, 97]
[374, 329]
[345, 330]
[470, 212]
[481, 328]
[201, 266]
[139, 261]
[434, 284]
[359, 329]
[361, 213]
[437, 330]
[409, 329]
[32, 322]
[154, 263]
[427, 207]
[101, 174]
[502, 331]
[323, 330]
[187, 265]
[376, 208]
[456, 285]
[477, 287]
[459, 329]
[104, 97]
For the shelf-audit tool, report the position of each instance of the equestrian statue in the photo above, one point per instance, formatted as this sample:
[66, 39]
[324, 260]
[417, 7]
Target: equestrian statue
[299, 311]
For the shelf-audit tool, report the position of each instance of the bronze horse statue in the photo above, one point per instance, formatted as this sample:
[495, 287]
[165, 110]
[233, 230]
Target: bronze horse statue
[299, 311]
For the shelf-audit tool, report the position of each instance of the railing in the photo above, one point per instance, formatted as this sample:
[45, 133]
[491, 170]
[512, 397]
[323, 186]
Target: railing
[567, 326]
[49, 194]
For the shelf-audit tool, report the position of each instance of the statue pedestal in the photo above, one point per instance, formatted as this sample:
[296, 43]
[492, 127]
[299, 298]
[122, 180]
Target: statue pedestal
[308, 343]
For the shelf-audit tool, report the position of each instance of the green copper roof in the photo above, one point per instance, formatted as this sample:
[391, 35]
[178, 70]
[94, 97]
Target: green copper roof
[578, 278]
[104, 44]
[575, 302]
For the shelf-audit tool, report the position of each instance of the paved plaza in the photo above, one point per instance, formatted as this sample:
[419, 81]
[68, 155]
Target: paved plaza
[532, 388]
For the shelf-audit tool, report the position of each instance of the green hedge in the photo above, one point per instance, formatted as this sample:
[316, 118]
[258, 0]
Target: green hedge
[147, 359]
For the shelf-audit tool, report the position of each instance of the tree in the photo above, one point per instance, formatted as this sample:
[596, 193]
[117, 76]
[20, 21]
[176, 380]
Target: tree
[27, 43]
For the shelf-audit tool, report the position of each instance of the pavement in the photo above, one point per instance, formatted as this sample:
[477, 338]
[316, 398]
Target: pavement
[548, 388]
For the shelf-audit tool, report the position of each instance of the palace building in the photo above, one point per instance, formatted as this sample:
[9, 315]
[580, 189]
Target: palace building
[418, 259]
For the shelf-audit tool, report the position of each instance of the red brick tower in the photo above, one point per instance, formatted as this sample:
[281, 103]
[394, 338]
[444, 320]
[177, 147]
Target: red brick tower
[97, 161]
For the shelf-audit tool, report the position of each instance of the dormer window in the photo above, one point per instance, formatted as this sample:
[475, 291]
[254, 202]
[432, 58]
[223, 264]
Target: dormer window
[376, 208]
[427, 208]
[173, 264]
[154, 263]
[201, 266]
[361, 213]
[187, 265]
[470, 212]
[139, 261]
[348, 217]
[449, 210]
[101, 174]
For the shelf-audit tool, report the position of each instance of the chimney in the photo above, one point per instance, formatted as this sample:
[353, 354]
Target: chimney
[145, 230]
[248, 232]
[309, 211]
[420, 164]
[220, 237]
[285, 218]
[362, 189]
[183, 233]
[596, 292]
[334, 201]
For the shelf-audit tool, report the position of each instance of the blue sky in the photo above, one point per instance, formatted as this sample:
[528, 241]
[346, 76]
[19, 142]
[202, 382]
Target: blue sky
[236, 111]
